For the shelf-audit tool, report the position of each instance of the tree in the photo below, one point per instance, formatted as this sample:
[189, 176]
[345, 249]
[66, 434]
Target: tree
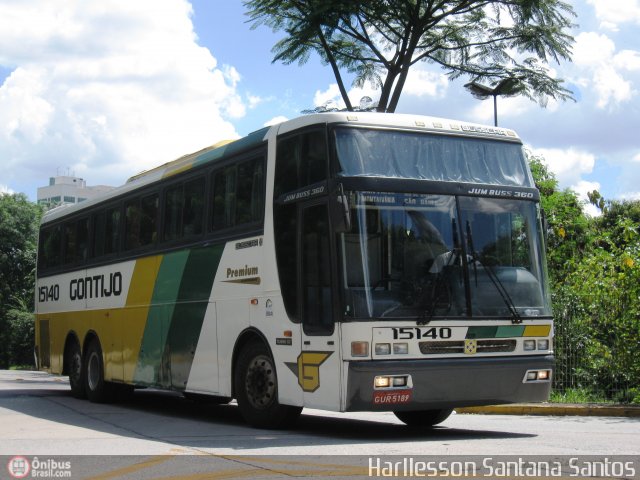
[378, 41]
[19, 219]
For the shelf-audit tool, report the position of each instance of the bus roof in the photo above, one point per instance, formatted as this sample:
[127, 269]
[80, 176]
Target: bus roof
[225, 149]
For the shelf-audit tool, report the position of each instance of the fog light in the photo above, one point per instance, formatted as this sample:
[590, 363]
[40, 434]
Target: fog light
[400, 348]
[399, 381]
[543, 344]
[383, 349]
[382, 382]
[359, 349]
[543, 375]
[528, 345]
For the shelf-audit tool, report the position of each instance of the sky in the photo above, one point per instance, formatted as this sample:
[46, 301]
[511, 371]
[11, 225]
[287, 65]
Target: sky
[103, 89]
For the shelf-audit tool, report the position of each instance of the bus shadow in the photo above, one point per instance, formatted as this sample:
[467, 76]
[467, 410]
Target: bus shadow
[325, 429]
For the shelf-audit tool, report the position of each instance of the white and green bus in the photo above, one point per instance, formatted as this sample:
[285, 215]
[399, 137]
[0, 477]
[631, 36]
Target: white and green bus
[340, 261]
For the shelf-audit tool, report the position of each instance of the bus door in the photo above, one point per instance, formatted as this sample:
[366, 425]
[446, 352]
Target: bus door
[319, 362]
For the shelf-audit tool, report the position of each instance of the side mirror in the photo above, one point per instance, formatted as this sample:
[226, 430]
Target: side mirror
[339, 211]
[545, 226]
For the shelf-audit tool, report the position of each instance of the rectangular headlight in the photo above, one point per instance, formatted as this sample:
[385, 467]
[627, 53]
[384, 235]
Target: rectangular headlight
[382, 382]
[529, 345]
[543, 344]
[383, 348]
[400, 348]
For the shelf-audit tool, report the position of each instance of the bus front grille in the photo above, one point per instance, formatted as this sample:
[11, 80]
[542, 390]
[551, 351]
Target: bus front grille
[494, 345]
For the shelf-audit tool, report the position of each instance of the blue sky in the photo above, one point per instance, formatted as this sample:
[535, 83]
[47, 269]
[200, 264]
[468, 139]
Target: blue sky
[106, 88]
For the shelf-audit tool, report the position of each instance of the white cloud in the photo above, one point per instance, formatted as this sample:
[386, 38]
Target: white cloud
[108, 88]
[612, 13]
[5, 190]
[595, 54]
[629, 196]
[422, 83]
[568, 165]
[331, 94]
[637, 158]
[275, 121]
[582, 188]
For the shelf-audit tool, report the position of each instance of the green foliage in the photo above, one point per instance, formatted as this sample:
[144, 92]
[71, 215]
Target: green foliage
[19, 220]
[594, 266]
[378, 41]
[21, 337]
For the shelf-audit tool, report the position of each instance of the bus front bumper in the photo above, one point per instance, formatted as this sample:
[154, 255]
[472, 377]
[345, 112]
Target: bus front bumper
[447, 383]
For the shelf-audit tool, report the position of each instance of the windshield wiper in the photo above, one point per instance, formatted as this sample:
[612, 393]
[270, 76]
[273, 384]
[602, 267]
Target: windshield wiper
[427, 315]
[504, 294]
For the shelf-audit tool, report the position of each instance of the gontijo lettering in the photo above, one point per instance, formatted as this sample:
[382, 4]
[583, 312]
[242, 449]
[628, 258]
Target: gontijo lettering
[96, 286]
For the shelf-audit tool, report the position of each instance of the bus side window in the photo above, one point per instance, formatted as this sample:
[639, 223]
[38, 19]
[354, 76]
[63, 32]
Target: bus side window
[106, 232]
[301, 160]
[224, 198]
[50, 254]
[82, 240]
[132, 224]
[193, 213]
[70, 243]
[249, 196]
[173, 205]
[149, 219]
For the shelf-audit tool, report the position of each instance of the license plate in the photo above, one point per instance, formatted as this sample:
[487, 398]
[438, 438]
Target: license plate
[393, 397]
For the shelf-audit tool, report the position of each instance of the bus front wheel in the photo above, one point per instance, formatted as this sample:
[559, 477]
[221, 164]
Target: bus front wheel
[256, 389]
[96, 388]
[424, 418]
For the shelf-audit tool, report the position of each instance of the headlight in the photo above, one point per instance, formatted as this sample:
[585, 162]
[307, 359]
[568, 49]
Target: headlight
[543, 344]
[383, 348]
[528, 345]
[400, 348]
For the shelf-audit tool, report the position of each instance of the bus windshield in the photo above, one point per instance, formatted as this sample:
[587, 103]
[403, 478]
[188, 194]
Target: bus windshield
[435, 256]
[423, 156]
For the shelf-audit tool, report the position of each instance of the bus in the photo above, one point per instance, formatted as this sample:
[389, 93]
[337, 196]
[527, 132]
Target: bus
[338, 261]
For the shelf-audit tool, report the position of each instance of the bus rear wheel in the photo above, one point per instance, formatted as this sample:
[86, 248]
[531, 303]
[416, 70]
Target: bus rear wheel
[97, 389]
[256, 388]
[73, 358]
[424, 418]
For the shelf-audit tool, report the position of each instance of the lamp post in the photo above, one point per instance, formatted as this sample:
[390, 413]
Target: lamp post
[507, 87]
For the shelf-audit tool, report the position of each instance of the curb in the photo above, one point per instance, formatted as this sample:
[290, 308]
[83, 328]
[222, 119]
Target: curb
[555, 409]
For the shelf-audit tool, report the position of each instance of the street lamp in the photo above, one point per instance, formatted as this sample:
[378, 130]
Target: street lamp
[507, 87]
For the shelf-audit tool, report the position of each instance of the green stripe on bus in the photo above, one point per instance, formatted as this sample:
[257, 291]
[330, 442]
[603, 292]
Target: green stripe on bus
[191, 307]
[481, 332]
[502, 331]
[152, 367]
[506, 331]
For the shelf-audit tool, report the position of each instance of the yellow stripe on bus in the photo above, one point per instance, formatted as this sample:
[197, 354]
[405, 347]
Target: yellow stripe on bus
[137, 310]
[537, 331]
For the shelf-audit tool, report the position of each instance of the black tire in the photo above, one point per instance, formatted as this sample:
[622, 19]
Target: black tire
[73, 367]
[97, 390]
[256, 389]
[424, 418]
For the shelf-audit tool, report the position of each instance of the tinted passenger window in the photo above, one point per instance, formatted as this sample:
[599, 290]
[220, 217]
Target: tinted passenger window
[238, 194]
[301, 161]
[106, 232]
[50, 254]
[141, 221]
[184, 210]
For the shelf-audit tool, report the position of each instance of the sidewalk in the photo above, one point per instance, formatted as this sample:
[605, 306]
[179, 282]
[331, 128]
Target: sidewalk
[564, 409]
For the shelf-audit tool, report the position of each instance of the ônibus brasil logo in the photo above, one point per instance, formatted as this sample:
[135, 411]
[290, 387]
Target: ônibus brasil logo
[19, 467]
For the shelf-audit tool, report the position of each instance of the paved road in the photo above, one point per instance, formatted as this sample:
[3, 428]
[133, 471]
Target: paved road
[40, 420]
[39, 416]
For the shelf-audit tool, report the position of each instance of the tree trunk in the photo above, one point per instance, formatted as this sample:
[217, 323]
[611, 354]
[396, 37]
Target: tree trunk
[336, 70]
